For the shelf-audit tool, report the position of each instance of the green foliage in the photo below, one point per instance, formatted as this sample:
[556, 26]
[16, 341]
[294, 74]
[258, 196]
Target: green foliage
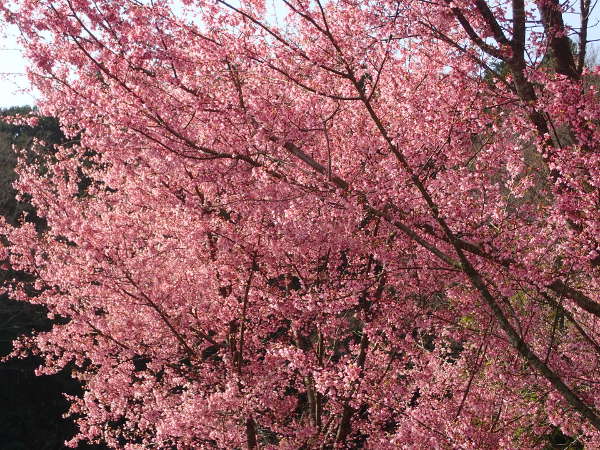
[15, 138]
[47, 129]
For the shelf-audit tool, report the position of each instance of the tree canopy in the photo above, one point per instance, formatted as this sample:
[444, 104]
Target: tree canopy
[332, 224]
[28, 402]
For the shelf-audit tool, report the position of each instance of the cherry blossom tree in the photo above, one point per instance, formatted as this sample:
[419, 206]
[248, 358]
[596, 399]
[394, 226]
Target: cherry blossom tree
[318, 224]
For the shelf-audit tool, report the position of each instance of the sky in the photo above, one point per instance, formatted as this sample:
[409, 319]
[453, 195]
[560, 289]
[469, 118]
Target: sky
[12, 74]
[14, 85]
[15, 89]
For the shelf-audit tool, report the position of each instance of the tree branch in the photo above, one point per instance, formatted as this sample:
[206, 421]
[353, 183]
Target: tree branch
[552, 19]
[464, 22]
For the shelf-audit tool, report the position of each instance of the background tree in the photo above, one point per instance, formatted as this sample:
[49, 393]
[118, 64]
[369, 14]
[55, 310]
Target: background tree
[317, 229]
[28, 402]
